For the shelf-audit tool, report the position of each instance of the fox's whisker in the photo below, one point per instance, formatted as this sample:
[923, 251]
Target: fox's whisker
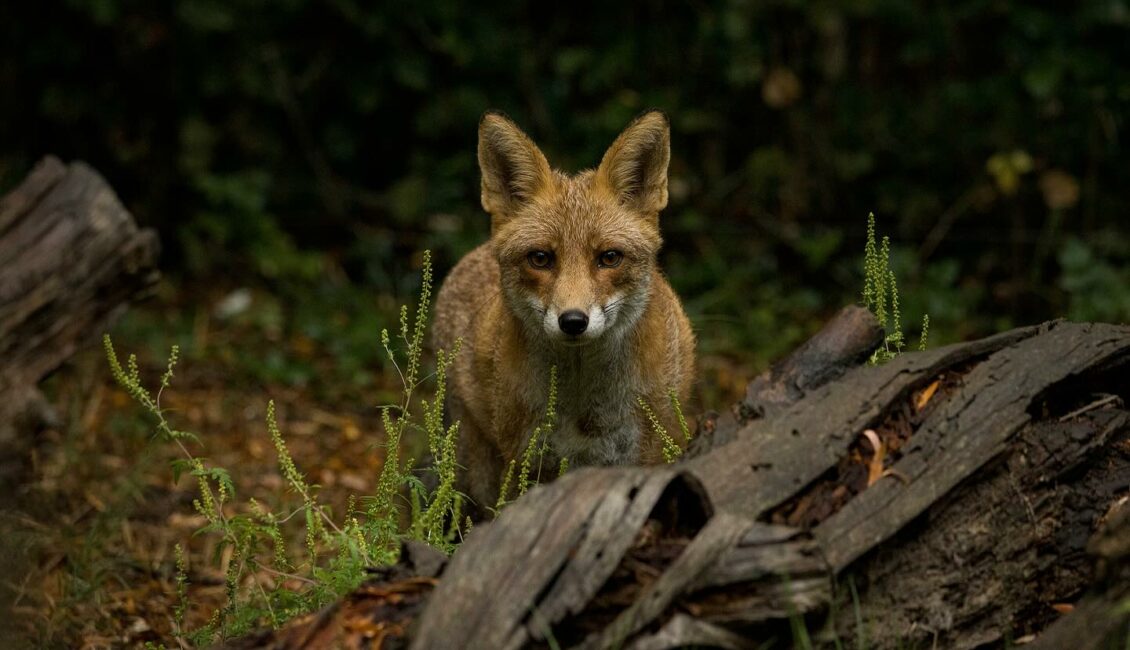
[615, 304]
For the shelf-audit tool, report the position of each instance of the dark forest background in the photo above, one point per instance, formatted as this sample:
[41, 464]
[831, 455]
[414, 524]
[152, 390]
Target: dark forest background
[298, 156]
[306, 151]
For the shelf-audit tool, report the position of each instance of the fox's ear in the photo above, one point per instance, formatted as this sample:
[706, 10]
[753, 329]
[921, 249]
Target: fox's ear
[514, 169]
[635, 167]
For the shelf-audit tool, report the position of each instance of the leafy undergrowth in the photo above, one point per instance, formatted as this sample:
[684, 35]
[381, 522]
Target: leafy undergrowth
[104, 514]
[97, 524]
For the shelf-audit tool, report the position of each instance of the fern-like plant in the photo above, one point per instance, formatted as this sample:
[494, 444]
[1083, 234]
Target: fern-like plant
[536, 449]
[881, 296]
[337, 552]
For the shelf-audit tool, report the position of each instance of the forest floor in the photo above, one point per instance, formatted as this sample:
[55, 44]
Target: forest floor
[89, 535]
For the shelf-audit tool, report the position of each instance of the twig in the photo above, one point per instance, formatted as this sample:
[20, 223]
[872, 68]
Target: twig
[1090, 407]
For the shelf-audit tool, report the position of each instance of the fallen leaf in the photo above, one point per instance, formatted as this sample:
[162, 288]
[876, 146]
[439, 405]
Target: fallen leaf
[354, 482]
[875, 466]
[800, 510]
[351, 430]
[926, 394]
[95, 502]
[190, 521]
[302, 428]
[1063, 608]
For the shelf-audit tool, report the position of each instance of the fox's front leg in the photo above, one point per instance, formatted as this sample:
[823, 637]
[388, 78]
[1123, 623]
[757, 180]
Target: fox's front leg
[482, 468]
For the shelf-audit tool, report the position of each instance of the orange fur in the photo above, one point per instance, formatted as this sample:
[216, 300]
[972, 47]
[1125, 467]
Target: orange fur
[599, 233]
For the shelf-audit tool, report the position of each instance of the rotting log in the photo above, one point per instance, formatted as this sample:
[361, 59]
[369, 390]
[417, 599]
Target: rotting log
[71, 258]
[992, 560]
[945, 498]
[844, 342]
[1100, 619]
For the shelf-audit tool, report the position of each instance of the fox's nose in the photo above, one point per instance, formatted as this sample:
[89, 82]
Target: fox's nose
[573, 322]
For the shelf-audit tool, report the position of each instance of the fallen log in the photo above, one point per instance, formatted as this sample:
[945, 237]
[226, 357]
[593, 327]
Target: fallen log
[951, 493]
[1100, 620]
[999, 556]
[71, 259]
[844, 342]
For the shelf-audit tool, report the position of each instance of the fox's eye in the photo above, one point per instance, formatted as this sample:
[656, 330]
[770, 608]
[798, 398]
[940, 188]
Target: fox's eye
[540, 259]
[610, 259]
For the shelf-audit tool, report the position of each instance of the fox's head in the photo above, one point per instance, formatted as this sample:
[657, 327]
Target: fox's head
[577, 253]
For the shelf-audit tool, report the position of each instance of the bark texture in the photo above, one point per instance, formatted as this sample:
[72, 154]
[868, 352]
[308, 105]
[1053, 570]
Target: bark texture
[71, 258]
[955, 498]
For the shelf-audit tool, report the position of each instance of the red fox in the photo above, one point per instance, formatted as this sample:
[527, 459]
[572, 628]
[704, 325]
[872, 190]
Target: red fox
[569, 278]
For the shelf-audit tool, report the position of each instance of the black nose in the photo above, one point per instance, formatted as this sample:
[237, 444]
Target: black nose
[573, 322]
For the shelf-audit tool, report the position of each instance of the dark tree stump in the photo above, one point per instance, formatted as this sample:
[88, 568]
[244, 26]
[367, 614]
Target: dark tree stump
[953, 491]
[71, 258]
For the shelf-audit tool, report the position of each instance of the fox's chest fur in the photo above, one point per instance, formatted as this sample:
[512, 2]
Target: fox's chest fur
[597, 418]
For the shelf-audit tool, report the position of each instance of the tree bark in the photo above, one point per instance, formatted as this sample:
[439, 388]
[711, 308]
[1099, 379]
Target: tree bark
[71, 259]
[944, 498]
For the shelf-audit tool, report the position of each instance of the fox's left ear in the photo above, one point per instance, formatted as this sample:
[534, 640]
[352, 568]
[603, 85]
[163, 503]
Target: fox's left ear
[635, 167]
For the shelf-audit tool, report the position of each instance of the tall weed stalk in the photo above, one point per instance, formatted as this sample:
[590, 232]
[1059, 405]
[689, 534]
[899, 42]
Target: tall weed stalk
[266, 583]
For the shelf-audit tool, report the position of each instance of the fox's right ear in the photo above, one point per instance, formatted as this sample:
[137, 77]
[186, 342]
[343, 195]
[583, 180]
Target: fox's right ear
[514, 169]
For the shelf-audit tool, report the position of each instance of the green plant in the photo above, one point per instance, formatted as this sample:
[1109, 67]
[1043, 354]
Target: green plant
[538, 445]
[677, 409]
[671, 449]
[881, 296]
[182, 590]
[336, 551]
[1096, 278]
[429, 512]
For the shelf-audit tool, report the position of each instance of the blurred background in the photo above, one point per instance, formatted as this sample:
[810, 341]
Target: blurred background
[298, 156]
[304, 152]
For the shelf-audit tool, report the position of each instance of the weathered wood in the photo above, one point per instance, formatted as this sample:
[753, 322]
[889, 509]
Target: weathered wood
[787, 563]
[1102, 619]
[998, 450]
[700, 556]
[772, 459]
[575, 529]
[843, 343]
[71, 258]
[969, 429]
[989, 560]
[684, 631]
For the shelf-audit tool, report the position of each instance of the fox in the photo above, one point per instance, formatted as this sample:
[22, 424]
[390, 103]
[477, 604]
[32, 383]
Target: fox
[568, 279]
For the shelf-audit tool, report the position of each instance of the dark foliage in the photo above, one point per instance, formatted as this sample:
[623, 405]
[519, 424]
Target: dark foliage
[986, 136]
